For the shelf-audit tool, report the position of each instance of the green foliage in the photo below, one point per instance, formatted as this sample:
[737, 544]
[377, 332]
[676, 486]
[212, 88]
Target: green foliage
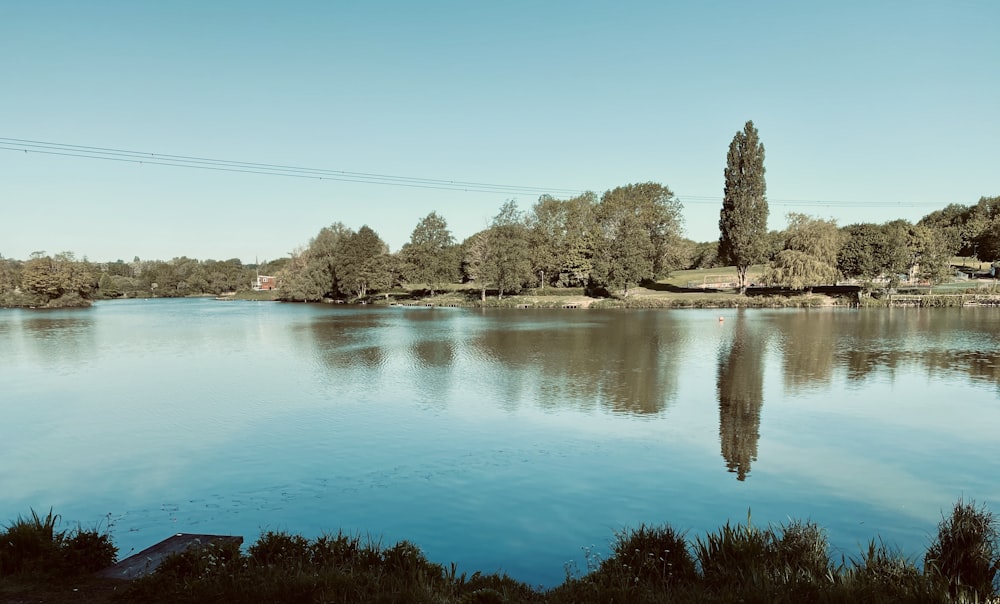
[737, 563]
[808, 256]
[929, 258]
[281, 567]
[430, 255]
[735, 555]
[364, 262]
[52, 278]
[314, 273]
[506, 263]
[10, 275]
[87, 551]
[893, 250]
[743, 220]
[639, 236]
[657, 554]
[966, 551]
[274, 548]
[562, 239]
[477, 260]
[882, 574]
[33, 545]
[703, 255]
[956, 225]
[859, 256]
[987, 242]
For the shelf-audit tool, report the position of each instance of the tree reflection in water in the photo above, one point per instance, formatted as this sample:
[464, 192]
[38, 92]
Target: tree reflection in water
[740, 385]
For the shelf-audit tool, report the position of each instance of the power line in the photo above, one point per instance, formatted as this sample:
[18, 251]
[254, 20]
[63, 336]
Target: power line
[289, 171]
[224, 165]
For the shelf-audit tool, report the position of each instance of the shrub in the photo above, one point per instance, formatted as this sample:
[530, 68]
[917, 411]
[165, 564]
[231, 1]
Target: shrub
[33, 545]
[280, 548]
[30, 544]
[651, 554]
[88, 551]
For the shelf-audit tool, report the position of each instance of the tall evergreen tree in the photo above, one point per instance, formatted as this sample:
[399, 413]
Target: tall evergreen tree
[743, 220]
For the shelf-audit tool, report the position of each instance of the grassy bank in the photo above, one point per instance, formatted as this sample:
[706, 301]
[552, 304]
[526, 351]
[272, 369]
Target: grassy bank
[737, 563]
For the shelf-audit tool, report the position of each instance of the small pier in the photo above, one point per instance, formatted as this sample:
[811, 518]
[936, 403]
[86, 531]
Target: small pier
[148, 560]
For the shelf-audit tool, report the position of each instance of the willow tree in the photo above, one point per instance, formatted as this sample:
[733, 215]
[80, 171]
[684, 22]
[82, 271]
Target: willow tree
[809, 254]
[743, 220]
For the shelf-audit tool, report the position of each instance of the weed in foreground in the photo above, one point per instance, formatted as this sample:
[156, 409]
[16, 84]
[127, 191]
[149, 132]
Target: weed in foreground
[966, 552]
[33, 545]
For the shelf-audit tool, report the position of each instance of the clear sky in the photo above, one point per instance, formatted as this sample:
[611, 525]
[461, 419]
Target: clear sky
[868, 110]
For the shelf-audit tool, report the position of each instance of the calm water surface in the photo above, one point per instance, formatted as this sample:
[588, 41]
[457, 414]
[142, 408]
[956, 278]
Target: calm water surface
[500, 440]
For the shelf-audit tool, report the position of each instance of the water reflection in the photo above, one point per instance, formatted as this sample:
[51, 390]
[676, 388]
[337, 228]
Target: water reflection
[626, 362]
[808, 345]
[348, 340]
[740, 385]
[60, 339]
[878, 344]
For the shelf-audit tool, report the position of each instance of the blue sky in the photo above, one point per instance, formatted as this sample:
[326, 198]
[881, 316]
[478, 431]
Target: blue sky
[888, 109]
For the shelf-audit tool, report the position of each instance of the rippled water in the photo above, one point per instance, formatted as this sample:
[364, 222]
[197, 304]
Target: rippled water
[500, 440]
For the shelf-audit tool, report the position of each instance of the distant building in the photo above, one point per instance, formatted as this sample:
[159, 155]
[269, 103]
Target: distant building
[265, 283]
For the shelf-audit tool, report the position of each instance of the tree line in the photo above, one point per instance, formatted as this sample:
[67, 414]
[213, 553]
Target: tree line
[601, 244]
[61, 279]
[628, 235]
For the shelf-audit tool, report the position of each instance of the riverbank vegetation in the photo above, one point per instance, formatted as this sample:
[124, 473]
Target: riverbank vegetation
[739, 562]
[621, 249]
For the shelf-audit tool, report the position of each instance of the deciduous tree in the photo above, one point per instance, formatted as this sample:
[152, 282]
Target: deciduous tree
[313, 273]
[508, 264]
[639, 235]
[362, 258]
[430, 254]
[562, 239]
[61, 277]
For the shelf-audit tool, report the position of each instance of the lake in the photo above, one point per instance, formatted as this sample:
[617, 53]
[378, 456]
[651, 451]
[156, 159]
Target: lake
[501, 440]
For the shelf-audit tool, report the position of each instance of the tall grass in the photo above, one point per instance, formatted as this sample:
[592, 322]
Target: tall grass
[739, 562]
[32, 545]
[966, 552]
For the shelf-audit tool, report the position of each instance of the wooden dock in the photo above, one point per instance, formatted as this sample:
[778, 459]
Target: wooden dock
[147, 561]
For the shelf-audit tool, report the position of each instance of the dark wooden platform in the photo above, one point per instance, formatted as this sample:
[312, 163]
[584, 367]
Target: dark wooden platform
[145, 562]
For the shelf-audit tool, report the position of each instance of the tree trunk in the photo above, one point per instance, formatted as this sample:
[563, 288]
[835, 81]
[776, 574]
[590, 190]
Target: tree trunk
[482, 294]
